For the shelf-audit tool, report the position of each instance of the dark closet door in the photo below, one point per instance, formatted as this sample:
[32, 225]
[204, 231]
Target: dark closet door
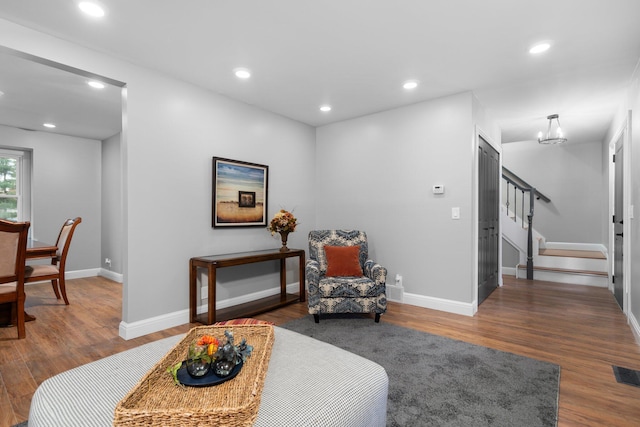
[618, 221]
[488, 218]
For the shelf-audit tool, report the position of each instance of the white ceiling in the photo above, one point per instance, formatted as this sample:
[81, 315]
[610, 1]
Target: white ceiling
[355, 54]
[37, 93]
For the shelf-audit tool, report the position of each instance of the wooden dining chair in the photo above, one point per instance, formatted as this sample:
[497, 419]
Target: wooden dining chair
[13, 249]
[55, 270]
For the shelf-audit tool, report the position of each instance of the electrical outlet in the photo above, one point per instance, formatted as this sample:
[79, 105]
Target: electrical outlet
[107, 261]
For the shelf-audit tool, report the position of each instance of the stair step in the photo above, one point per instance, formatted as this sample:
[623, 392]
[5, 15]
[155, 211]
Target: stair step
[572, 253]
[566, 271]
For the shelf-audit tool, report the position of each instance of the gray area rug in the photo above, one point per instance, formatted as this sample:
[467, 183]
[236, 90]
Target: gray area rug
[437, 381]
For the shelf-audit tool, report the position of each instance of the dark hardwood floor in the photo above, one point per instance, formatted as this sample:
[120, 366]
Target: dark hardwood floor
[579, 328]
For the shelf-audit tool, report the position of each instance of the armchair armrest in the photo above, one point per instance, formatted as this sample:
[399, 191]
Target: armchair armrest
[375, 272]
[312, 275]
[312, 264]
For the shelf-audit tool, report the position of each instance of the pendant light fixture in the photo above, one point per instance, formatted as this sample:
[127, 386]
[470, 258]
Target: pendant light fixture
[552, 137]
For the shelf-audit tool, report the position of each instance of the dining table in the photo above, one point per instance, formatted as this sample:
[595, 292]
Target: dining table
[35, 249]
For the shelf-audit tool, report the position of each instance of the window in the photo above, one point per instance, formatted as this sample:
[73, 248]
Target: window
[14, 185]
[9, 190]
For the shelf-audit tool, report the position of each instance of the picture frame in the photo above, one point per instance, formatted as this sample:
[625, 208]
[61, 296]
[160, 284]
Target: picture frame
[240, 193]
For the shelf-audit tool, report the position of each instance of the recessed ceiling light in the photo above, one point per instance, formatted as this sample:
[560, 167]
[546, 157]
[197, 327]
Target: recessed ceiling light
[540, 47]
[91, 9]
[411, 84]
[49, 125]
[242, 73]
[96, 84]
[325, 108]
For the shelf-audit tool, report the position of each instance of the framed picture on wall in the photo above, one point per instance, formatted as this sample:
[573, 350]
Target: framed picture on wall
[239, 193]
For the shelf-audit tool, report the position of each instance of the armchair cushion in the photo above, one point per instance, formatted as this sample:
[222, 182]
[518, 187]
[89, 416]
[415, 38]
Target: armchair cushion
[343, 261]
[348, 287]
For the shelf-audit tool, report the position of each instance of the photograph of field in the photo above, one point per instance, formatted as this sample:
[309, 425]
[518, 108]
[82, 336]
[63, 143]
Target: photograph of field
[240, 191]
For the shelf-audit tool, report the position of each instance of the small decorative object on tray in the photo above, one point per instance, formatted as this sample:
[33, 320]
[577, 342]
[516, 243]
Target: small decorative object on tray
[198, 362]
[209, 363]
[201, 354]
[283, 222]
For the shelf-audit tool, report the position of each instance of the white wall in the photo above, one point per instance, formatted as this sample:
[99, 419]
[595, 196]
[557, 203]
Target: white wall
[65, 184]
[376, 173]
[172, 131]
[573, 177]
[111, 204]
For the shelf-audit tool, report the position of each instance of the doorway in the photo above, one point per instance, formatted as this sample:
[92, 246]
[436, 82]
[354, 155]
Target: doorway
[620, 212]
[618, 222]
[488, 218]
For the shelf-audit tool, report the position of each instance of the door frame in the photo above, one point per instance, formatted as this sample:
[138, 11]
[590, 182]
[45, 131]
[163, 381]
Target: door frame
[478, 133]
[624, 133]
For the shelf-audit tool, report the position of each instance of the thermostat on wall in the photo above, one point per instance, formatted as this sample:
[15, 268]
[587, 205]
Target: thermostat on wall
[438, 189]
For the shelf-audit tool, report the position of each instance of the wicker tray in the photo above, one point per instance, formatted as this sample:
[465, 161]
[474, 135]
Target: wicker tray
[156, 400]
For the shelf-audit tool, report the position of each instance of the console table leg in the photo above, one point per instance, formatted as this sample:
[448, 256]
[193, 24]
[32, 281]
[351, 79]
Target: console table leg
[211, 296]
[193, 283]
[283, 279]
[301, 266]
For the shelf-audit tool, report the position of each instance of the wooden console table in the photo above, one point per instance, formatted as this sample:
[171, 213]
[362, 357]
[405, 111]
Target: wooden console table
[213, 262]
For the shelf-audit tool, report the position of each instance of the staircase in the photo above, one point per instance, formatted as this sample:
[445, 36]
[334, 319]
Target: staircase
[576, 263]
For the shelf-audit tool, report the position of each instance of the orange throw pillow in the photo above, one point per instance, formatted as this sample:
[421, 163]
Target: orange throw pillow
[343, 261]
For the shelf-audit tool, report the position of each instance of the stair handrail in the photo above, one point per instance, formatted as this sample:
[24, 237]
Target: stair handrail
[524, 186]
[521, 184]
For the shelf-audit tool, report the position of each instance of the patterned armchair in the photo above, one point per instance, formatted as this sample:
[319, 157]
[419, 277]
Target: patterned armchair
[331, 293]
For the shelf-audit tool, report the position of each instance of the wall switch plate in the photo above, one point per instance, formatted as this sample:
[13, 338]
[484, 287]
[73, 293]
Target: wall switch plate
[455, 213]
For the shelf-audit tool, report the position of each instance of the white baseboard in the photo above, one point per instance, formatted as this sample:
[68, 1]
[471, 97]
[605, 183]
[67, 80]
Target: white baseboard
[91, 272]
[147, 326]
[456, 307]
[77, 274]
[158, 323]
[154, 324]
[111, 275]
